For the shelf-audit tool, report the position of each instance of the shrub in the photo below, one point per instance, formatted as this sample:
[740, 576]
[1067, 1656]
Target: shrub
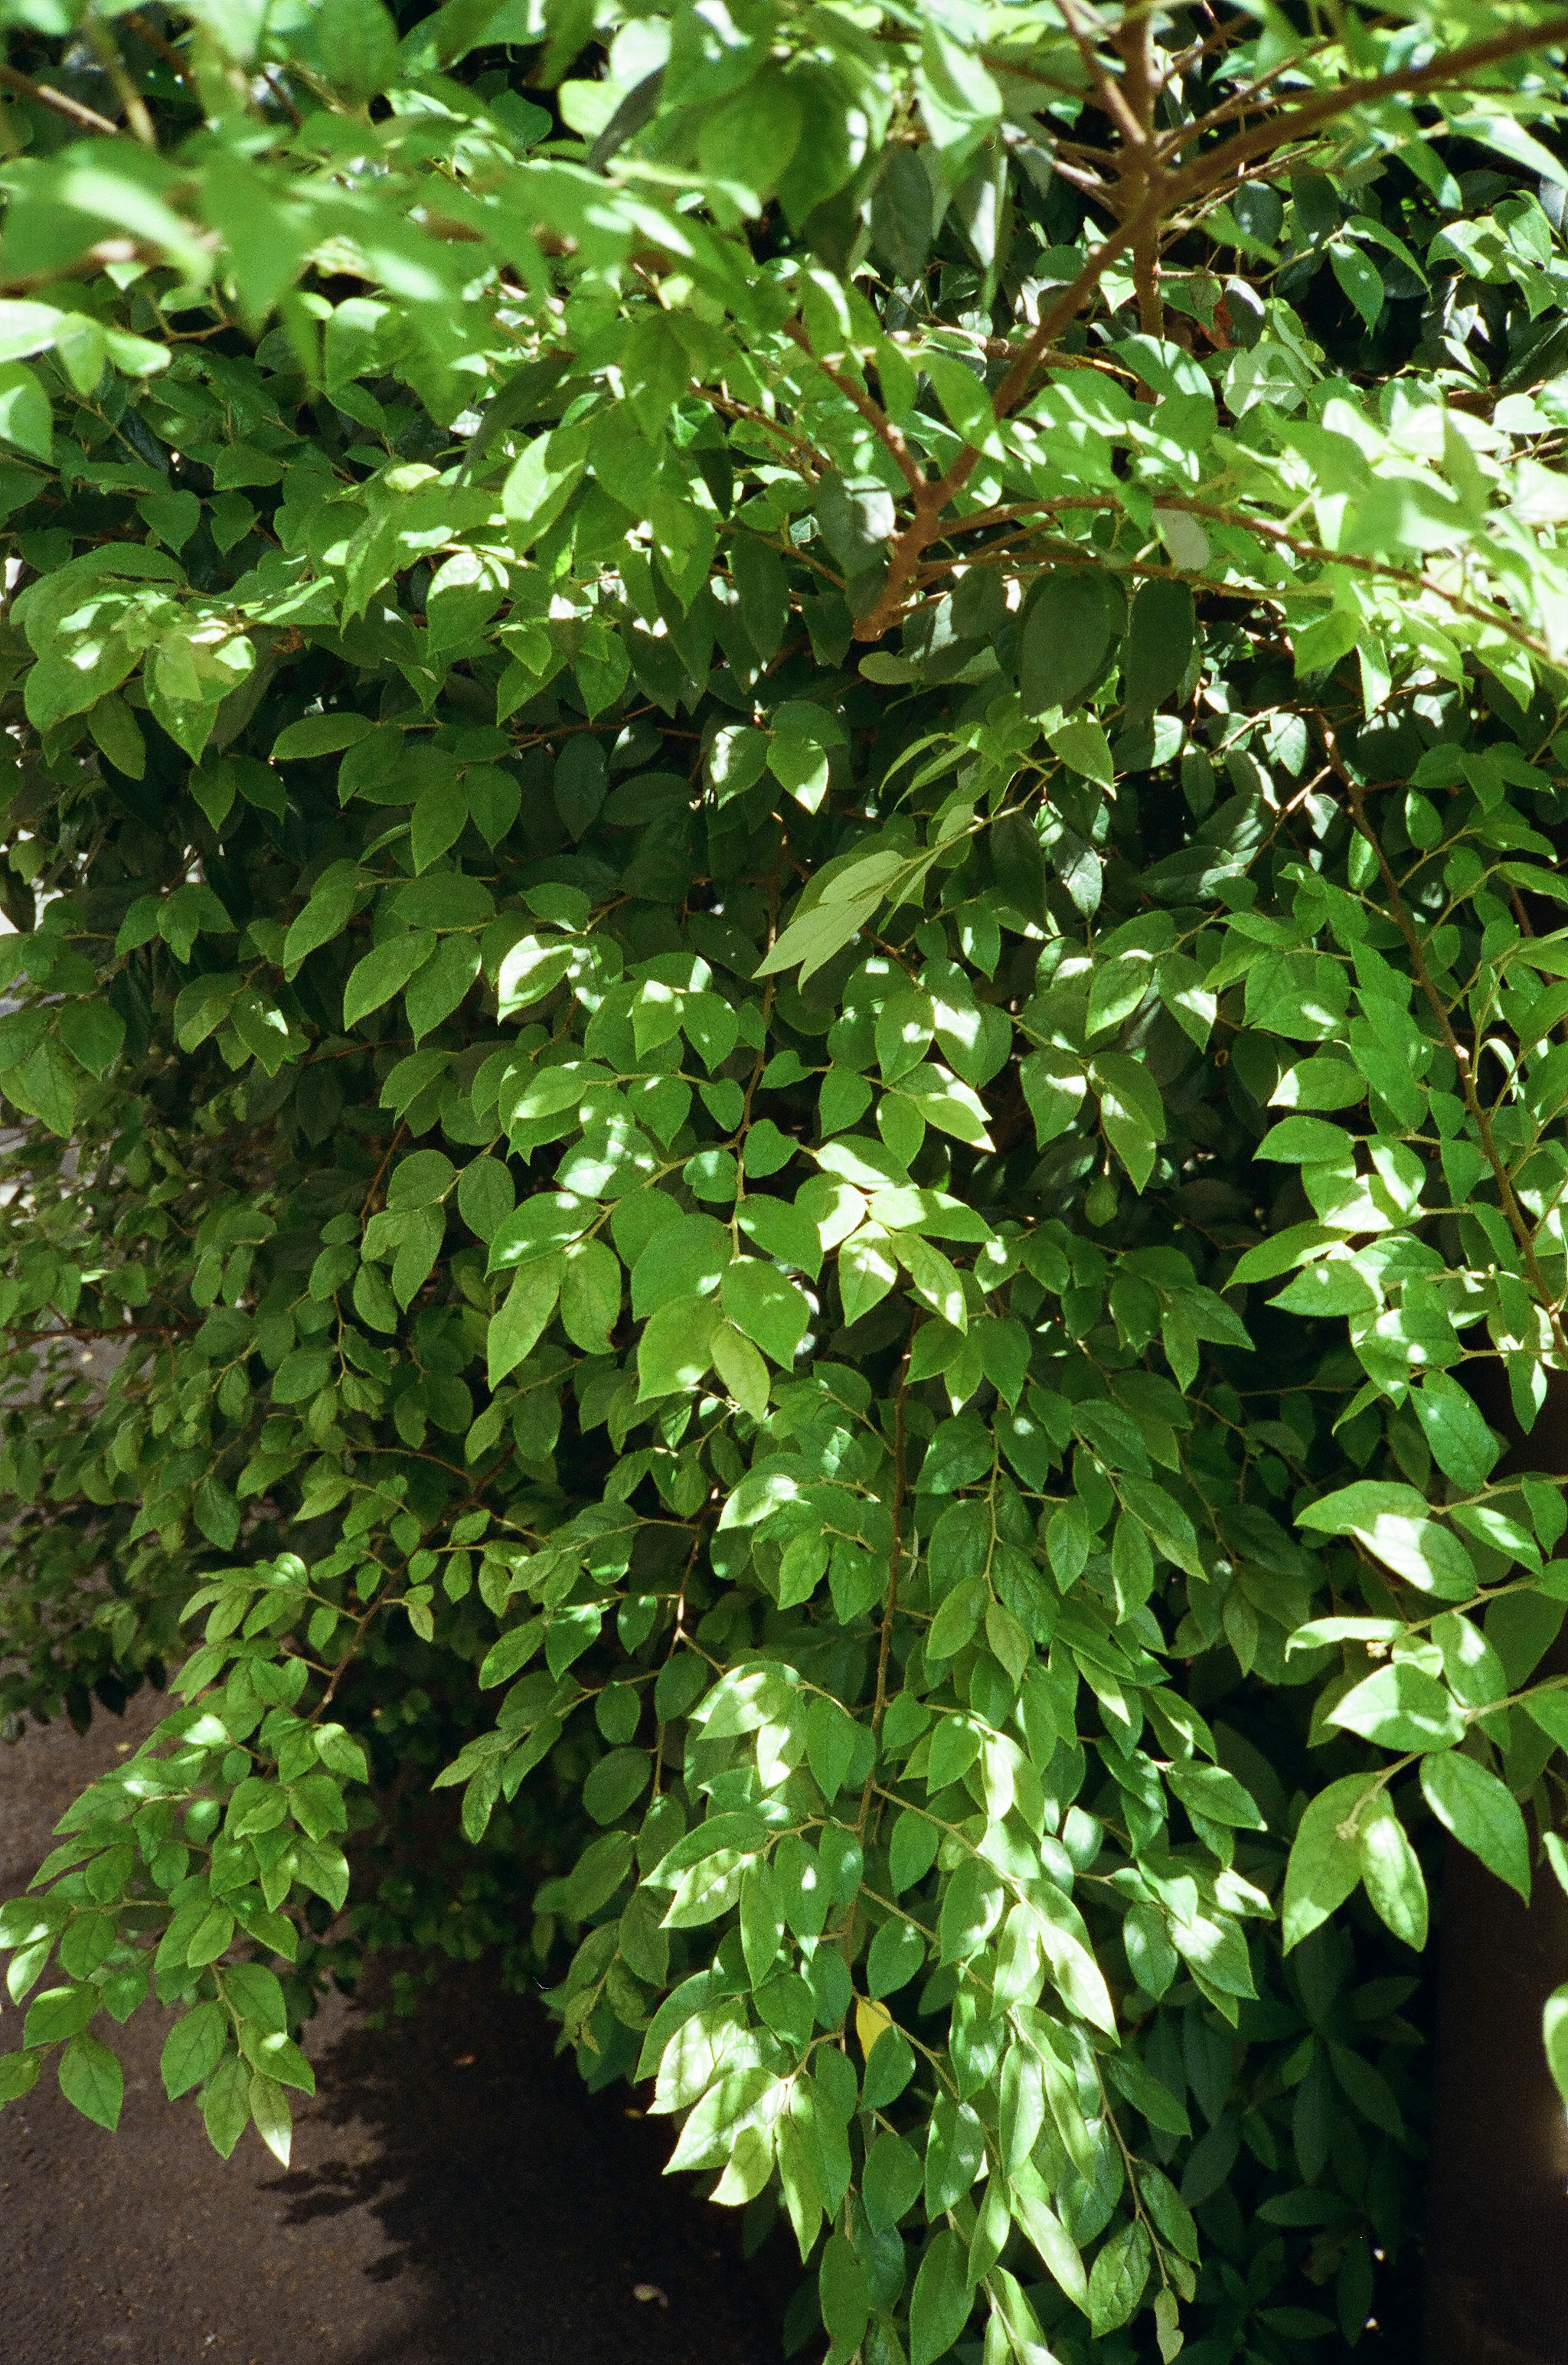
[753, 752]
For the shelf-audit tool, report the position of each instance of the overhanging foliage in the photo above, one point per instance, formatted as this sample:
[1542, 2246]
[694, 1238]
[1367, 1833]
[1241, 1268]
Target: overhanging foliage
[753, 753]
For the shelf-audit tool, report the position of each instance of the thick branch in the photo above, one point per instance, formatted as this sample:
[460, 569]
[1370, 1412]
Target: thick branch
[1139, 233]
[933, 497]
[1143, 177]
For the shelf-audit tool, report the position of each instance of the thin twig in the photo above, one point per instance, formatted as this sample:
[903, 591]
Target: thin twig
[876, 419]
[155, 41]
[105, 50]
[85, 118]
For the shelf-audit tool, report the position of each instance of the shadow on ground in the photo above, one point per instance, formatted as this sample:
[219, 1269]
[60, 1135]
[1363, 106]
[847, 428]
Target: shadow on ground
[456, 2198]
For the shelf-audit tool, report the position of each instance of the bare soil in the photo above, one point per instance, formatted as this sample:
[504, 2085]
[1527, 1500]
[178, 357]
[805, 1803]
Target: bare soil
[456, 2197]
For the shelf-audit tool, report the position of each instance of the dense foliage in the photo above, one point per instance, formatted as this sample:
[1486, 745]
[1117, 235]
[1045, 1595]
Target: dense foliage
[753, 752]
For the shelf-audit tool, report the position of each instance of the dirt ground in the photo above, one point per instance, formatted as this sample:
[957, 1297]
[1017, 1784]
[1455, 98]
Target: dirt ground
[492, 2214]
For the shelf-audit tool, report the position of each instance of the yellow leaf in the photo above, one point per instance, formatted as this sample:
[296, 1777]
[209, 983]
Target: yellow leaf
[870, 2019]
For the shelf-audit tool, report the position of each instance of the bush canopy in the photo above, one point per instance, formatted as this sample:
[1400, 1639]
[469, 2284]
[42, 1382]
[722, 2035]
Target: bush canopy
[781, 786]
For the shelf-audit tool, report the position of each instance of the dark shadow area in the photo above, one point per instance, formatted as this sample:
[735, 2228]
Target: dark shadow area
[456, 2196]
[1497, 2228]
[1498, 2240]
[527, 2212]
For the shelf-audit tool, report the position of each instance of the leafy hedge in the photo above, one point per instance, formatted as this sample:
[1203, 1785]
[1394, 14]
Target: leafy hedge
[752, 753]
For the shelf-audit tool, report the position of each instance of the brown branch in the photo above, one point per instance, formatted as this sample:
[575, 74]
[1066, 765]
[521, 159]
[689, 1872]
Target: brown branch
[934, 495]
[1455, 68]
[380, 1172]
[1114, 103]
[11, 1338]
[109, 250]
[85, 118]
[1382, 569]
[876, 419]
[1239, 100]
[1093, 184]
[1144, 176]
[1460, 601]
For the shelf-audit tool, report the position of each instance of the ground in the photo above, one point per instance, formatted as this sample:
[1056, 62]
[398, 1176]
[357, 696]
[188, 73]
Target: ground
[492, 2214]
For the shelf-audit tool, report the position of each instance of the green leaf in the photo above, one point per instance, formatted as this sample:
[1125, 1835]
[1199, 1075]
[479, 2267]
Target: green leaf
[1117, 2278]
[939, 2306]
[529, 971]
[1159, 2106]
[486, 1196]
[1083, 748]
[1394, 1522]
[769, 1308]
[741, 1369]
[325, 916]
[1066, 638]
[117, 731]
[18, 2076]
[94, 1032]
[684, 1258]
[270, 2116]
[898, 1953]
[59, 2013]
[1048, 2236]
[1305, 1141]
[890, 2180]
[762, 1919]
[92, 2080]
[707, 1888]
[1131, 1111]
[439, 986]
[26, 419]
[612, 1785]
[1161, 630]
[191, 2047]
[226, 2104]
[1392, 1872]
[1216, 1794]
[1359, 276]
[1482, 1813]
[1401, 1706]
[1554, 2029]
[539, 485]
[1549, 1710]
[1325, 1863]
[515, 1330]
[385, 970]
[590, 1295]
[320, 735]
[677, 1346]
[1463, 1446]
[846, 2297]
